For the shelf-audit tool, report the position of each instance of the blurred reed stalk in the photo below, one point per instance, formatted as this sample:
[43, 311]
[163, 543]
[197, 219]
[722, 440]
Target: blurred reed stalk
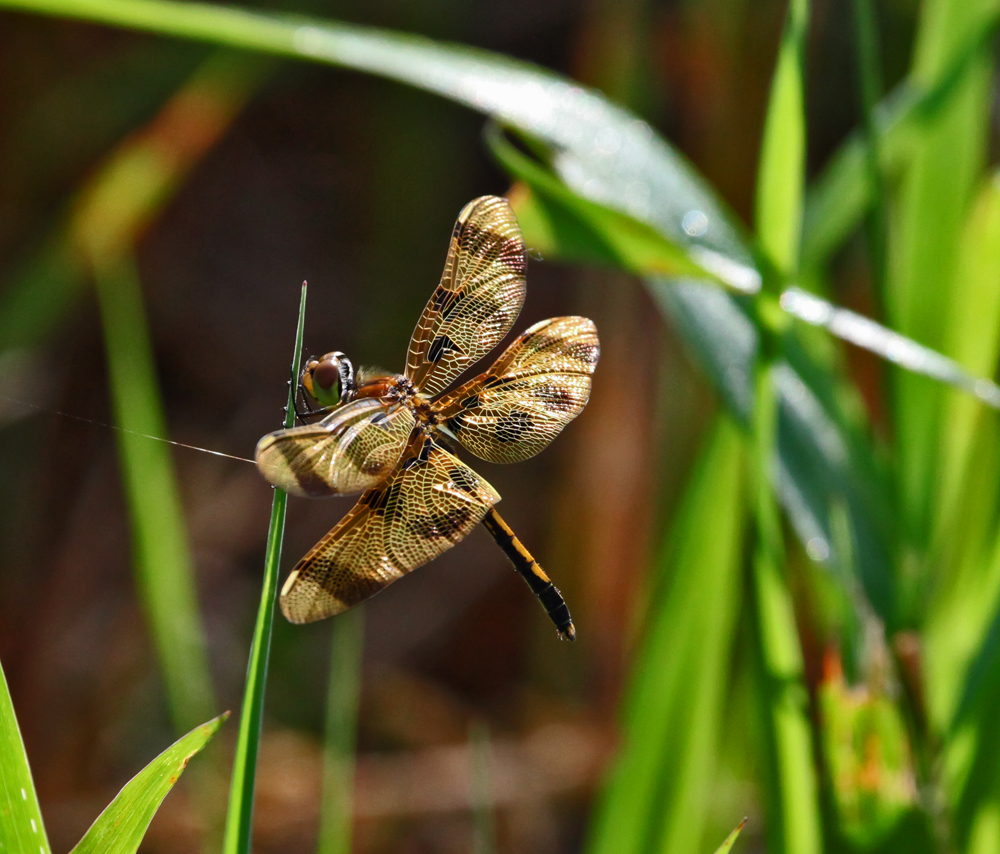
[347, 633]
[484, 833]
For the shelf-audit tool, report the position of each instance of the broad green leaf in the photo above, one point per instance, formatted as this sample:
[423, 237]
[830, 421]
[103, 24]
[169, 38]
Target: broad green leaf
[556, 220]
[120, 828]
[730, 840]
[655, 798]
[781, 175]
[21, 828]
[239, 817]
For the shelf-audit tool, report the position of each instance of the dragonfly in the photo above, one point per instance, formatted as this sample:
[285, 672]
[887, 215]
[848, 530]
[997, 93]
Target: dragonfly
[392, 437]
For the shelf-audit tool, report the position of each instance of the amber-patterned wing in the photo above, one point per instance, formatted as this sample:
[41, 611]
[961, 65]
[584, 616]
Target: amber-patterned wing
[478, 300]
[430, 503]
[349, 451]
[539, 384]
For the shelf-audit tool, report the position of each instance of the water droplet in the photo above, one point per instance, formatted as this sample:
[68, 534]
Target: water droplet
[817, 549]
[607, 141]
[695, 223]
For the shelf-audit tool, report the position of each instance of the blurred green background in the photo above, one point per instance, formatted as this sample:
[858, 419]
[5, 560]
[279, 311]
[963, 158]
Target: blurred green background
[781, 551]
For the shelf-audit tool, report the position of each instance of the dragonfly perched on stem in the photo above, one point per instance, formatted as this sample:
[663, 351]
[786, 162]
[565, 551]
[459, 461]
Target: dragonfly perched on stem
[385, 435]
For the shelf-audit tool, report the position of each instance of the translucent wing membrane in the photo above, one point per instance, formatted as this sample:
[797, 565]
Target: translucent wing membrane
[478, 300]
[539, 384]
[430, 503]
[347, 452]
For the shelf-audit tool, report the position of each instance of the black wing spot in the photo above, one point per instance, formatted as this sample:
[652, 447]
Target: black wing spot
[511, 427]
[471, 402]
[440, 347]
[377, 499]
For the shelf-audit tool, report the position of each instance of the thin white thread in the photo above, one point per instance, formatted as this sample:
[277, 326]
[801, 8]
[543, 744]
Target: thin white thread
[121, 429]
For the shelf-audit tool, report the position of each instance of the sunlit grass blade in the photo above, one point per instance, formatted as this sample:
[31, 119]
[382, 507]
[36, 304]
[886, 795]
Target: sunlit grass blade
[239, 819]
[21, 827]
[974, 745]
[656, 796]
[781, 174]
[965, 595]
[159, 536]
[343, 692]
[120, 828]
[730, 840]
[934, 196]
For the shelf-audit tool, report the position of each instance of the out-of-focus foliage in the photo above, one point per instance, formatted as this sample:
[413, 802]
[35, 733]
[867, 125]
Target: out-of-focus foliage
[816, 645]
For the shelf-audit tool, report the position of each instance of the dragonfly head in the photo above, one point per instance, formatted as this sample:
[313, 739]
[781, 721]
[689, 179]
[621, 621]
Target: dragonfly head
[329, 380]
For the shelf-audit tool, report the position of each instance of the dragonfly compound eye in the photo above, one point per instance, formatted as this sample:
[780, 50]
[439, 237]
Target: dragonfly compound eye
[331, 379]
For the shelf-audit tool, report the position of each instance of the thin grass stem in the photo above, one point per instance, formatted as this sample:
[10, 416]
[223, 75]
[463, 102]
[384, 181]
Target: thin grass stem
[239, 818]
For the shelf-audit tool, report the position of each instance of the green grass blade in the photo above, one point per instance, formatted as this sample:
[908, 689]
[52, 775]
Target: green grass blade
[974, 747]
[839, 198]
[120, 828]
[781, 174]
[935, 193]
[791, 790]
[656, 796]
[159, 537]
[239, 818]
[730, 840]
[965, 596]
[21, 827]
[343, 692]
[870, 90]
[793, 825]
